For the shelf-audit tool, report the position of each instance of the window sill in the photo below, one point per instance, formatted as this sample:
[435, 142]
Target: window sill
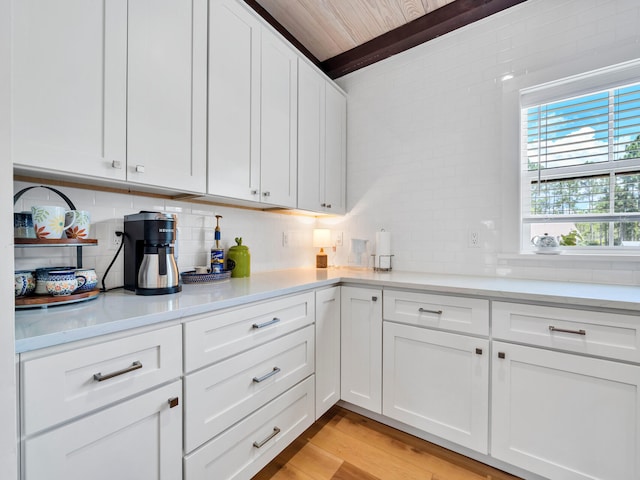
[569, 256]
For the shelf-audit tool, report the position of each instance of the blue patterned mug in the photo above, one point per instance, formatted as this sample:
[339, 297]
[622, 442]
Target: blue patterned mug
[64, 282]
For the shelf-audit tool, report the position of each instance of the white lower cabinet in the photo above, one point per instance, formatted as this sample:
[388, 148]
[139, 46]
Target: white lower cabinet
[241, 451]
[327, 349]
[103, 410]
[361, 347]
[565, 416]
[226, 392]
[437, 382]
[139, 439]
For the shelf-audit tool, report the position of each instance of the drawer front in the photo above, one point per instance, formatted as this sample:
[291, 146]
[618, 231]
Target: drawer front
[596, 333]
[220, 395]
[214, 337]
[467, 315]
[240, 452]
[59, 387]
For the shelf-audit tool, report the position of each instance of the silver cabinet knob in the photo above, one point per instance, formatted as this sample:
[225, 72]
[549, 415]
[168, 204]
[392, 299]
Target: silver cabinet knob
[328, 205]
[116, 164]
[267, 194]
[254, 192]
[140, 168]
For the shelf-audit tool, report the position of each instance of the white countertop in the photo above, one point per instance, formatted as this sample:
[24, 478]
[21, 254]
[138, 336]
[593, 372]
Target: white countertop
[119, 310]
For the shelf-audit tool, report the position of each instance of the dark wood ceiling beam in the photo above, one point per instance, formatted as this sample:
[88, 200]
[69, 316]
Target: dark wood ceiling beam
[439, 22]
[432, 25]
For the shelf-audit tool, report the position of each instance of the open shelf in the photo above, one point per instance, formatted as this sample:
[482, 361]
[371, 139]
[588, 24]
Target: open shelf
[55, 242]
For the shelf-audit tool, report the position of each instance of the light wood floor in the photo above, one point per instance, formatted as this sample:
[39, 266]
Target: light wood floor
[343, 445]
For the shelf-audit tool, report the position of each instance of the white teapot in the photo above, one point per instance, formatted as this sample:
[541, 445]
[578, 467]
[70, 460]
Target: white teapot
[546, 243]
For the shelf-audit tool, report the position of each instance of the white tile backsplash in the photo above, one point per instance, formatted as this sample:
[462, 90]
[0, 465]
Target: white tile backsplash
[260, 231]
[432, 149]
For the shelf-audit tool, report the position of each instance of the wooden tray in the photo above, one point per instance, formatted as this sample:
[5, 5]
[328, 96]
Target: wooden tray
[55, 242]
[43, 301]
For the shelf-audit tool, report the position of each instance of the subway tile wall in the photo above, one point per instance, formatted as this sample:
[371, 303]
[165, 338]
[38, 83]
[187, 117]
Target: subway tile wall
[432, 155]
[433, 137]
[260, 231]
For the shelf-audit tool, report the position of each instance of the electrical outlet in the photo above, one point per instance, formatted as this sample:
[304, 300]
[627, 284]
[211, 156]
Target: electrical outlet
[114, 240]
[474, 239]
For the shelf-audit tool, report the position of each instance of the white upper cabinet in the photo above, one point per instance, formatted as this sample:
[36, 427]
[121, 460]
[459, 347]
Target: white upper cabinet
[252, 109]
[70, 86]
[279, 122]
[113, 90]
[234, 108]
[321, 143]
[166, 94]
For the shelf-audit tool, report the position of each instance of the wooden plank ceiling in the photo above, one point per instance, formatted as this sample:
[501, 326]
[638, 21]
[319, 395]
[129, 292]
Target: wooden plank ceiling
[341, 36]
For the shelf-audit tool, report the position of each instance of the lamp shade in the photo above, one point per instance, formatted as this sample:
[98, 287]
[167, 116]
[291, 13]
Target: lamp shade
[321, 237]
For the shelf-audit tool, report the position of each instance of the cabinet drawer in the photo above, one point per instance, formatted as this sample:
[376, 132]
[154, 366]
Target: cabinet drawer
[596, 333]
[240, 452]
[61, 386]
[220, 395]
[214, 337]
[468, 315]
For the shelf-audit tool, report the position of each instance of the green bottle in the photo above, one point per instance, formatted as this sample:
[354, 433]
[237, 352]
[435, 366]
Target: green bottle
[239, 259]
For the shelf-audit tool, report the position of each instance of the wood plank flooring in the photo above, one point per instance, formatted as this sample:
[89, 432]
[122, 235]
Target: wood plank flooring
[343, 445]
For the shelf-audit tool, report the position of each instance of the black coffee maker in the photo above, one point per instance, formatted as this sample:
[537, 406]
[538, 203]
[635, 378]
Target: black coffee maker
[149, 264]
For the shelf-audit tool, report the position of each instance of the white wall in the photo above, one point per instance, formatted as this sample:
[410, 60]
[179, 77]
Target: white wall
[260, 231]
[8, 448]
[433, 137]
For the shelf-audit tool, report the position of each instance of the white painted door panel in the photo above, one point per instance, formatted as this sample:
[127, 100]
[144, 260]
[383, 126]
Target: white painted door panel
[361, 347]
[70, 86]
[327, 349]
[278, 125]
[437, 382]
[311, 99]
[166, 88]
[335, 161]
[138, 439]
[565, 416]
[234, 101]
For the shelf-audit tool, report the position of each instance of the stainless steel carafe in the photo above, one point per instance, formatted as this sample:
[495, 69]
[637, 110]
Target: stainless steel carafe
[158, 269]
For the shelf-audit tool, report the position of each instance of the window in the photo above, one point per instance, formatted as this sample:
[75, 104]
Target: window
[581, 163]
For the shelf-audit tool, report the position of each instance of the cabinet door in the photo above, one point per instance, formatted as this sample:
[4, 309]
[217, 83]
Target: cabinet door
[69, 86]
[166, 93]
[137, 439]
[565, 416]
[327, 349]
[234, 101]
[361, 347]
[311, 99]
[335, 158]
[278, 122]
[437, 382]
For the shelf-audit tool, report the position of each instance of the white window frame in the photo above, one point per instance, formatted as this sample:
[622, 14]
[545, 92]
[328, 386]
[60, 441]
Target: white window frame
[566, 88]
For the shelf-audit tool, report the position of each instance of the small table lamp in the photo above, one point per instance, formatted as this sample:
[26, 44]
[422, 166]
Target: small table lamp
[321, 239]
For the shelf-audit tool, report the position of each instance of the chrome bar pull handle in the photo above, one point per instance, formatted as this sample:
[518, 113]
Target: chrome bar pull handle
[99, 377]
[425, 310]
[266, 375]
[266, 324]
[562, 330]
[275, 432]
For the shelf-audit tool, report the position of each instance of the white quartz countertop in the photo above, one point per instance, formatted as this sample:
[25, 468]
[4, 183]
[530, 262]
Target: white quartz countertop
[119, 310]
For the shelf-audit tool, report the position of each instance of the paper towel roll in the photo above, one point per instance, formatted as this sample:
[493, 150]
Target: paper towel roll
[383, 249]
